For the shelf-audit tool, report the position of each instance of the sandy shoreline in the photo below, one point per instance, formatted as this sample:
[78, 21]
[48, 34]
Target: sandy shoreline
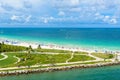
[52, 46]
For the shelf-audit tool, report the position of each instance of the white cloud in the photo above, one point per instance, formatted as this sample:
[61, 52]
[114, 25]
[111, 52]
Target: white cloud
[106, 18]
[110, 20]
[61, 10]
[45, 21]
[113, 21]
[66, 3]
[74, 2]
[27, 4]
[15, 18]
[61, 13]
[16, 4]
[27, 19]
[21, 18]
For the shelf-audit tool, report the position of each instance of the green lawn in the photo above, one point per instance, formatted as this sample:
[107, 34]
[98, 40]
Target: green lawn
[53, 50]
[33, 59]
[9, 61]
[103, 55]
[43, 59]
[1, 56]
[80, 52]
[81, 58]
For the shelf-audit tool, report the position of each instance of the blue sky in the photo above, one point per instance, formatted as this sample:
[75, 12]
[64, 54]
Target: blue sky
[59, 13]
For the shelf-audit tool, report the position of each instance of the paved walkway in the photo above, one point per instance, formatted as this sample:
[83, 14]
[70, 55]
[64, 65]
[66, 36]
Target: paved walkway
[97, 58]
[5, 57]
[45, 65]
[18, 59]
[72, 55]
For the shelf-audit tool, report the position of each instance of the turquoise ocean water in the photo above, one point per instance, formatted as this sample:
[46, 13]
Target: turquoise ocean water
[103, 73]
[98, 38]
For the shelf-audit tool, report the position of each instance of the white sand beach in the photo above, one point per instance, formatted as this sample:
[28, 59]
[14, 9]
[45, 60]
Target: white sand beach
[51, 46]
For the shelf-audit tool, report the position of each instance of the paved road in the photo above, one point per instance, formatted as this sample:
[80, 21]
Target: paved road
[5, 57]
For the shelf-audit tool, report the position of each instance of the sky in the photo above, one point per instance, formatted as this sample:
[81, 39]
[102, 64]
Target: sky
[59, 13]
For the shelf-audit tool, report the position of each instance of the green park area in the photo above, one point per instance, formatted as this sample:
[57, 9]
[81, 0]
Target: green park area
[1, 56]
[81, 58]
[103, 56]
[16, 56]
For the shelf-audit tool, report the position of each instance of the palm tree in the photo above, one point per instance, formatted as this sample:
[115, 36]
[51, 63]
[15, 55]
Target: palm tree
[39, 46]
[30, 49]
[3, 43]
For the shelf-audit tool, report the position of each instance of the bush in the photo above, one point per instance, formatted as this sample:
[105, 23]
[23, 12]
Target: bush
[11, 48]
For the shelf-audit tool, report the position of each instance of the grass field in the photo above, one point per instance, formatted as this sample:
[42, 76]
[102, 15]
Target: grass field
[103, 55]
[43, 59]
[81, 58]
[27, 59]
[9, 61]
[53, 50]
[80, 52]
[1, 56]
[45, 56]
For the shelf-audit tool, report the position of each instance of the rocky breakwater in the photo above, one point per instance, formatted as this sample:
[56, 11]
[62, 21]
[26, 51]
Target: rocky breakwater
[52, 69]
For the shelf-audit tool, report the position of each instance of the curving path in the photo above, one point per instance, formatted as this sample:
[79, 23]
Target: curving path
[72, 55]
[18, 59]
[5, 57]
[97, 58]
[44, 65]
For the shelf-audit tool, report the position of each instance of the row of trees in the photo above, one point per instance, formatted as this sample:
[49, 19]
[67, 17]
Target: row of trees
[11, 48]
